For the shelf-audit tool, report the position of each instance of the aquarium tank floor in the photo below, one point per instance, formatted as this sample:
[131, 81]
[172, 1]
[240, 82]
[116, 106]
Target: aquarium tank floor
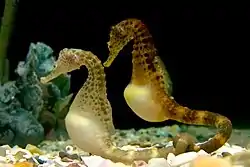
[55, 152]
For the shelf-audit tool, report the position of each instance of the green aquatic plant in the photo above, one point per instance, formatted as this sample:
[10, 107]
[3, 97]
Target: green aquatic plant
[7, 23]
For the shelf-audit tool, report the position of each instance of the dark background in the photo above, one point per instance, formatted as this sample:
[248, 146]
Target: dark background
[205, 49]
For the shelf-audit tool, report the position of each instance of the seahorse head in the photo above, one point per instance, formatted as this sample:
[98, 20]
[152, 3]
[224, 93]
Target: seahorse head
[120, 35]
[67, 61]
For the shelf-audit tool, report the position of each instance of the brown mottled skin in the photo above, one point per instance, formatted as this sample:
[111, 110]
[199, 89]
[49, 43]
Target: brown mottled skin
[149, 92]
[89, 120]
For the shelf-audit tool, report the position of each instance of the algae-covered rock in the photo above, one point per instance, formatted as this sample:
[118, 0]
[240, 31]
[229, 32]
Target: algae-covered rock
[17, 125]
[24, 101]
[53, 99]
[27, 128]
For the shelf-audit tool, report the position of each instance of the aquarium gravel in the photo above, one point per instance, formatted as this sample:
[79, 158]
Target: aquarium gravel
[70, 156]
[54, 153]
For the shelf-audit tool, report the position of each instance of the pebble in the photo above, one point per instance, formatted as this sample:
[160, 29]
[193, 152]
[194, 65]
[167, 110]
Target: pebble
[158, 162]
[183, 159]
[139, 164]
[3, 150]
[205, 161]
[23, 164]
[33, 149]
[74, 165]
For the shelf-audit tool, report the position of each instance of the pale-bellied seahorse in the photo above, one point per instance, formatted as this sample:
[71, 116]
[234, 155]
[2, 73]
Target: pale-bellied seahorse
[148, 93]
[89, 120]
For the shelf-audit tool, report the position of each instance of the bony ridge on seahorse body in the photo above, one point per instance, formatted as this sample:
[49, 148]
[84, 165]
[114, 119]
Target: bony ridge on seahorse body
[149, 92]
[89, 120]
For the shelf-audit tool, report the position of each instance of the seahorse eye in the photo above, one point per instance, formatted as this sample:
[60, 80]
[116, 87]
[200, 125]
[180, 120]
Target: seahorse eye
[55, 65]
[75, 58]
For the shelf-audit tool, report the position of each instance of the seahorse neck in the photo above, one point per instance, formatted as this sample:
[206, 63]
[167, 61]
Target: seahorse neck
[95, 84]
[143, 55]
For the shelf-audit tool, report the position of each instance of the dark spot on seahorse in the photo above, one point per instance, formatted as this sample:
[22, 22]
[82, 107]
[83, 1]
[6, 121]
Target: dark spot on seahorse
[225, 128]
[151, 67]
[101, 84]
[136, 26]
[157, 77]
[147, 40]
[125, 23]
[149, 58]
[146, 55]
[140, 63]
[189, 115]
[135, 47]
[172, 113]
[105, 112]
[141, 28]
[137, 56]
[210, 118]
[106, 119]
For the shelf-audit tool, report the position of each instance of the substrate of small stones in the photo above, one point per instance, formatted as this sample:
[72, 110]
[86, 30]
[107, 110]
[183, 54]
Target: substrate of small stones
[65, 154]
[70, 156]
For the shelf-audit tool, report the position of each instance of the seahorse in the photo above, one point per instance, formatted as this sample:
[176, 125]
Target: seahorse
[148, 93]
[89, 119]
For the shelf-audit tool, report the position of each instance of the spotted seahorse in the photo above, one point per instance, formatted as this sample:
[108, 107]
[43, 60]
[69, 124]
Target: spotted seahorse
[148, 93]
[89, 120]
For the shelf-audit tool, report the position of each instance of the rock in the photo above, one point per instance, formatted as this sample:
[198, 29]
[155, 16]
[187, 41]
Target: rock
[69, 149]
[225, 154]
[3, 150]
[205, 161]
[170, 158]
[3, 159]
[73, 165]
[40, 160]
[23, 164]
[139, 164]
[59, 162]
[6, 165]
[63, 155]
[229, 149]
[203, 153]
[95, 161]
[183, 159]
[158, 162]
[240, 159]
[33, 149]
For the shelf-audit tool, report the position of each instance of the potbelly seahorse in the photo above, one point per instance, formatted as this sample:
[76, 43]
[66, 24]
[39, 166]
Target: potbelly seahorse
[89, 120]
[148, 93]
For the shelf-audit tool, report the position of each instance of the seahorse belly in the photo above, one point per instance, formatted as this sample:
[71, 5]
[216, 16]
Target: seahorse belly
[139, 99]
[86, 131]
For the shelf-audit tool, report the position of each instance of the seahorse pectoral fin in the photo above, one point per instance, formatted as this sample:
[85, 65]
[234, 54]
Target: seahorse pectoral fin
[161, 68]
